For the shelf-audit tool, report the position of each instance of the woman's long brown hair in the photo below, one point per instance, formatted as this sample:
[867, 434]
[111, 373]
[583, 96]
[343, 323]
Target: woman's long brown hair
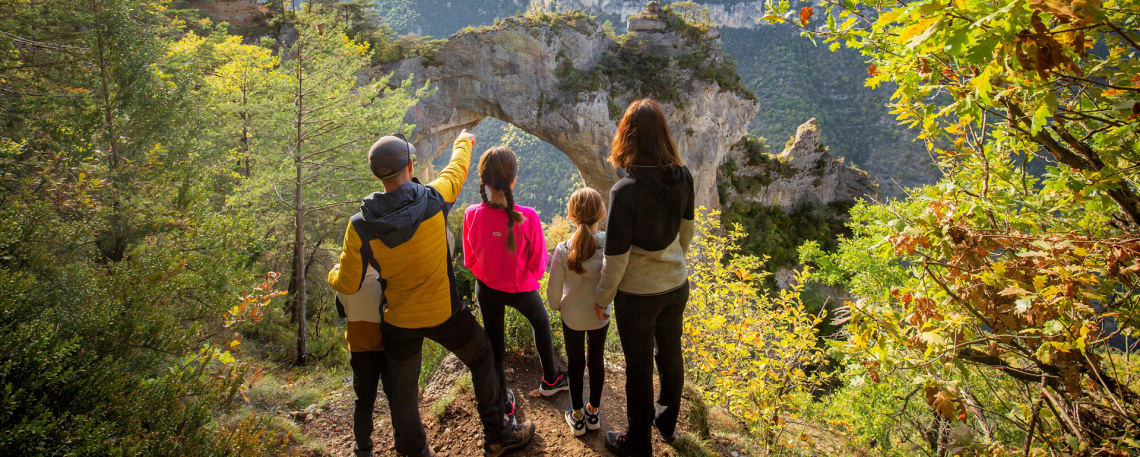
[643, 138]
[497, 168]
[585, 208]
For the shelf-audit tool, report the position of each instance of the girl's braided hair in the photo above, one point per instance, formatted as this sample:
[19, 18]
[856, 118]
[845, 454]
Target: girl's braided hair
[497, 169]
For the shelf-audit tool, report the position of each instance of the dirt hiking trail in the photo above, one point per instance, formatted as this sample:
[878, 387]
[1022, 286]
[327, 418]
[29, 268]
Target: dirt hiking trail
[453, 428]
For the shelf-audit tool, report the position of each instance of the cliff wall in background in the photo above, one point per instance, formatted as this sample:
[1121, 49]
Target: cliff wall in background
[793, 79]
[783, 200]
[804, 173]
[566, 81]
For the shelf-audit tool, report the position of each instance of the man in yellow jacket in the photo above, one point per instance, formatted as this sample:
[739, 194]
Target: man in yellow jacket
[402, 234]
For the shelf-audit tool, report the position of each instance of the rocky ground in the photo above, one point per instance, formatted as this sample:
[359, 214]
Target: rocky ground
[448, 410]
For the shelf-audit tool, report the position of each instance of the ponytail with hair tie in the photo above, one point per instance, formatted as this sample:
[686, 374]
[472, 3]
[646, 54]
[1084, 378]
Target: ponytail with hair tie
[585, 208]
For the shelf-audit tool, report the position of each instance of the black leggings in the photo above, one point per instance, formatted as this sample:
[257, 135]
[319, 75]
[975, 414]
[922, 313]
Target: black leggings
[578, 361]
[493, 303]
[650, 329]
[368, 368]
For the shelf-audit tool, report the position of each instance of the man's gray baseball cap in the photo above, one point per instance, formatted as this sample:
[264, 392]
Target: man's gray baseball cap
[390, 155]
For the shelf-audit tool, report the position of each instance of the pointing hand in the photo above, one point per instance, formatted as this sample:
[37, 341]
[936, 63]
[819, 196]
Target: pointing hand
[464, 134]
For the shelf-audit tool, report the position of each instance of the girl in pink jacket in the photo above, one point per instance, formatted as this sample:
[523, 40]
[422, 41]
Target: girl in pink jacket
[505, 249]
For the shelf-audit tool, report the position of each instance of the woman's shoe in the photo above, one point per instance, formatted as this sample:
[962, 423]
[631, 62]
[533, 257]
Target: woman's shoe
[593, 421]
[561, 383]
[616, 443]
[658, 409]
[577, 425]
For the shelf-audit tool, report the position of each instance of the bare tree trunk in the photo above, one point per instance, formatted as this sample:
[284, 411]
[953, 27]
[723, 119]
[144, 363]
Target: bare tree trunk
[298, 212]
[113, 246]
[245, 130]
[299, 255]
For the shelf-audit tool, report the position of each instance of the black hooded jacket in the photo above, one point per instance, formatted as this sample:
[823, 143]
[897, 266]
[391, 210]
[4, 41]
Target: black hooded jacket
[648, 232]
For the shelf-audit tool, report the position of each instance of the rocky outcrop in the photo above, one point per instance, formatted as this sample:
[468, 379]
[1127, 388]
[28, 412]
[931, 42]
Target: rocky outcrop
[803, 173]
[565, 81]
[239, 13]
[444, 379]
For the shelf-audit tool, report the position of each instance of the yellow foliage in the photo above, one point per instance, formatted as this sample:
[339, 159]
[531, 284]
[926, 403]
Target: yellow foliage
[558, 230]
[751, 353]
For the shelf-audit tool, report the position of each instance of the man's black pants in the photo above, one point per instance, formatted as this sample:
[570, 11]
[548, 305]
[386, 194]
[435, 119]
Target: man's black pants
[368, 369]
[642, 321]
[461, 335]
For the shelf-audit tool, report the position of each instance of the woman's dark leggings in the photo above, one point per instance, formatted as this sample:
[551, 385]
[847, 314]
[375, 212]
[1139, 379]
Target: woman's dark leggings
[493, 303]
[578, 361]
[644, 322]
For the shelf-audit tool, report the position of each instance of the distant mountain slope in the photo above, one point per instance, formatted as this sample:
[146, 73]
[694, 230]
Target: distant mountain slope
[794, 79]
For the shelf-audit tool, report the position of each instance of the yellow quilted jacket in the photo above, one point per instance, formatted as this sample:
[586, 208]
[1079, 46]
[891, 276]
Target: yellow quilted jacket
[403, 235]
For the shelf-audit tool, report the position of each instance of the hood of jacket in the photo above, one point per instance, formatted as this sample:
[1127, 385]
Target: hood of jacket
[393, 217]
[670, 179]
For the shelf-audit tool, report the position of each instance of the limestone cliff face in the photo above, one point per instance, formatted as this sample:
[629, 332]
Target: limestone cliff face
[565, 81]
[803, 173]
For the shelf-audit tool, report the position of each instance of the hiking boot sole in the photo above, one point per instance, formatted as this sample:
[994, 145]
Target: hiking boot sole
[513, 447]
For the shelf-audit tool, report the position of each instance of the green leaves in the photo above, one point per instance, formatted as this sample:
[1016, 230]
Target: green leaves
[1002, 264]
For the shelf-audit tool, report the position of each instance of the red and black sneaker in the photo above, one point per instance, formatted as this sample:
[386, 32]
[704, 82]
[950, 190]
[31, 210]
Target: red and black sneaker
[509, 409]
[561, 383]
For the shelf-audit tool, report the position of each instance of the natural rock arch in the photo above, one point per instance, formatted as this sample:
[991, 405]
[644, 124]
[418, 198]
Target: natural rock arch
[563, 79]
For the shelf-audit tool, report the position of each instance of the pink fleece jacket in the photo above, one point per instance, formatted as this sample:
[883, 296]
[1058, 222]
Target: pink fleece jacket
[485, 249]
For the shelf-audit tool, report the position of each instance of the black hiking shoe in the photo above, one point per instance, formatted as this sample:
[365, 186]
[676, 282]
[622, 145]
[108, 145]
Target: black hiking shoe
[577, 424]
[561, 383]
[513, 438]
[615, 443]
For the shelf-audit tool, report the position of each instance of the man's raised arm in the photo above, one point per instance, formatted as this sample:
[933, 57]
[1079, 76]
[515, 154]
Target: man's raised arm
[450, 180]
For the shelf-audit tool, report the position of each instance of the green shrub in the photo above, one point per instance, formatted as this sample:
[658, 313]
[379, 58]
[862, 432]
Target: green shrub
[107, 358]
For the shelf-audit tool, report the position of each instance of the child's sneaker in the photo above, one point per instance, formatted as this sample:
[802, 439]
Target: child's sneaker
[509, 409]
[560, 384]
[577, 424]
[593, 421]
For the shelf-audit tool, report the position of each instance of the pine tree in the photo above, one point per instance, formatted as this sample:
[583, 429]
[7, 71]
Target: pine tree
[312, 141]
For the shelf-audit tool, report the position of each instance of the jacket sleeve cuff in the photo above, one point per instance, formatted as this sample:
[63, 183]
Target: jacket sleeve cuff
[613, 269]
[687, 230]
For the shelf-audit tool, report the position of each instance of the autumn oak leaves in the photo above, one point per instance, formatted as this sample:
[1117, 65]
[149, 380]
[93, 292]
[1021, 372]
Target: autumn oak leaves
[997, 285]
[1038, 50]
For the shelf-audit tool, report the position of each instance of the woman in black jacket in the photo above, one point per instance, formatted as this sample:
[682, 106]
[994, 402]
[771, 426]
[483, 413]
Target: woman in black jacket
[644, 272]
